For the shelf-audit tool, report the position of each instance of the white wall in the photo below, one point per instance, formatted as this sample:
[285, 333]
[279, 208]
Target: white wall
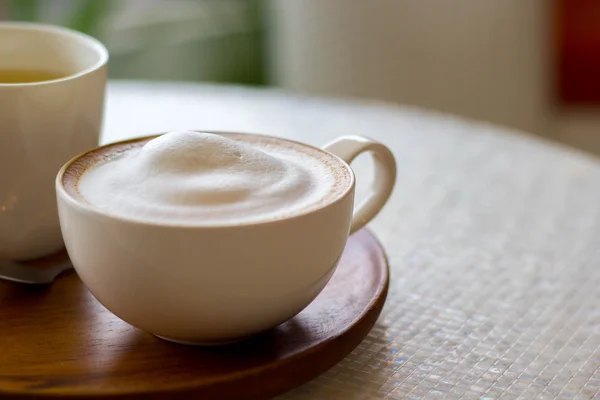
[482, 59]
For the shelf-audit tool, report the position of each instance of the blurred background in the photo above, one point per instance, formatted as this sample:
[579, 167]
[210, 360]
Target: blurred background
[531, 65]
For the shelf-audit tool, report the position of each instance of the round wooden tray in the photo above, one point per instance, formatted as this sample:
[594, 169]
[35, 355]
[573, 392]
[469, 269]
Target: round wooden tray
[59, 342]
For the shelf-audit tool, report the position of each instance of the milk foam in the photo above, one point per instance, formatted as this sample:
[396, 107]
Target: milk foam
[195, 178]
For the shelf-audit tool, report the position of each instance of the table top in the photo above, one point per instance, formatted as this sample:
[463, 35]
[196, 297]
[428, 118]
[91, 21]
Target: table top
[493, 239]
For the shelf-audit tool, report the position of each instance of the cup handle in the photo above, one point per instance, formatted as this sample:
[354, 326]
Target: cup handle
[348, 148]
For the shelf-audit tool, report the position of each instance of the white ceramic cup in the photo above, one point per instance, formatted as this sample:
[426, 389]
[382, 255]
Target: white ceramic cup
[216, 284]
[43, 125]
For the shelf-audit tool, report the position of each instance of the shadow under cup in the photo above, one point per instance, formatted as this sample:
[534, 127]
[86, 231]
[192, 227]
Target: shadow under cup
[43, 124]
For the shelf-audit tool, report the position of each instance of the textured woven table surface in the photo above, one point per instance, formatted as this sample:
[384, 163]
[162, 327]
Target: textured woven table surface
[493, 240]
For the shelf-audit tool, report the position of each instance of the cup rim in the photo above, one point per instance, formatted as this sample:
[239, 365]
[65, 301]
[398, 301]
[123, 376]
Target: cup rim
[86, 39]
[90, 209]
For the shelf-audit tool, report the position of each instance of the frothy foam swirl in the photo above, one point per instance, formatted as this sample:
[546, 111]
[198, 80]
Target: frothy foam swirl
[194, 177]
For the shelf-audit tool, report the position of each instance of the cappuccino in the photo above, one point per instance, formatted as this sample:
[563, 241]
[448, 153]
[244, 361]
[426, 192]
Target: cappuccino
[196, 178]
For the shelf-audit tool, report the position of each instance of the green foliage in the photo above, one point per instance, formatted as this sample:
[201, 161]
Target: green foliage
[220, 41]
[87, 15]
[83, 15]
[23, 10]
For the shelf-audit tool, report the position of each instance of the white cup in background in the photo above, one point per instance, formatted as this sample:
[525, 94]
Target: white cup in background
[42, 125]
